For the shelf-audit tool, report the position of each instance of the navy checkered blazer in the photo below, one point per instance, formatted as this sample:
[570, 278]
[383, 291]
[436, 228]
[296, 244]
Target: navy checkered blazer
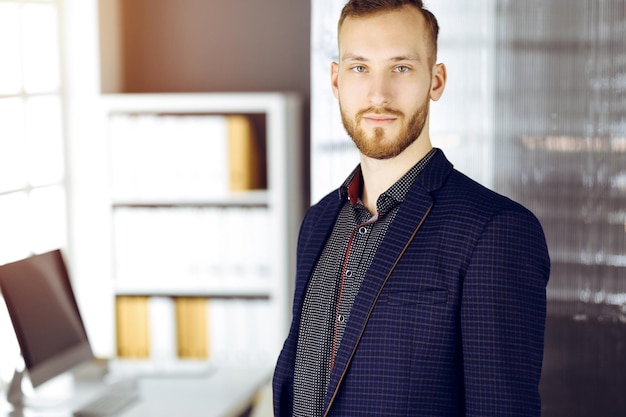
[449, 320]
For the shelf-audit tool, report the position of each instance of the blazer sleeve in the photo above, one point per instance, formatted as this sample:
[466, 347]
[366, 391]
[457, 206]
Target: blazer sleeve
[503, 309]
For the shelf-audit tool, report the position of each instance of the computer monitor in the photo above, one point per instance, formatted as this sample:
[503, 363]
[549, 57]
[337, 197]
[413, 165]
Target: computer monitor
[45, 316]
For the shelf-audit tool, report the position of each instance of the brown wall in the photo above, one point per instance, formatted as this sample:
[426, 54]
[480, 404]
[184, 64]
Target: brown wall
[215, 45]
[155, 46]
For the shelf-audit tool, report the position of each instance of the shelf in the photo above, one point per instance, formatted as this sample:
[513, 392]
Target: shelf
[253, 198]
[222, 288]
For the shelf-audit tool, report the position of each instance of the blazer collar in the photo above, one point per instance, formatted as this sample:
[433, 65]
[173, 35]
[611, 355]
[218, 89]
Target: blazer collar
[435, 173]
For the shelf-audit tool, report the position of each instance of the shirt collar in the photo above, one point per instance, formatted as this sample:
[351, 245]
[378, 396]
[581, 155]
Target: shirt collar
[352, 186]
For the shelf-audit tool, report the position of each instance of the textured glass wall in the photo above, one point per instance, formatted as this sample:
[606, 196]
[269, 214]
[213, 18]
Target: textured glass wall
[560, 129]
[535, 107]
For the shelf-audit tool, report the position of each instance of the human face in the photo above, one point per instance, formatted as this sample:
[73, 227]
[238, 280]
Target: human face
[384, 81]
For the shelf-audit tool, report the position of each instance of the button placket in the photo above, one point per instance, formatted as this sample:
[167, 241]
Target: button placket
[351, 275]
[351, 272]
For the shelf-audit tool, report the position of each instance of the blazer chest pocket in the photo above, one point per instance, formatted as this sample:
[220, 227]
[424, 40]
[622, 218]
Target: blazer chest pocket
[428, 296]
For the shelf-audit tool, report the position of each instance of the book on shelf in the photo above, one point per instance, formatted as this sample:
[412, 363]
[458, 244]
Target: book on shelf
[246, 155]
[243, 331]
[182, 156]
[167, 329]
[132, 327]
[163, 346]
[202, 245]
[192, 327]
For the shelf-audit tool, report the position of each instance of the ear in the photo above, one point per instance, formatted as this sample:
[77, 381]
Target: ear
[334, 74]
[438, 82]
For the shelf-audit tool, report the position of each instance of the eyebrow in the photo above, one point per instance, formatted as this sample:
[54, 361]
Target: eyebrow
[354, 57]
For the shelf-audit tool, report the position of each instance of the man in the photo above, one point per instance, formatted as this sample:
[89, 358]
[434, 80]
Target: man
[418, 291]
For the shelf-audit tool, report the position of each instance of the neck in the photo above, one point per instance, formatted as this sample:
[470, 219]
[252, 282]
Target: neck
[380, 174]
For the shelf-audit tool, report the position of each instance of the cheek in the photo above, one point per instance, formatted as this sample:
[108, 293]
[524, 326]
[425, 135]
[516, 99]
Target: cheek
[352, 99]
[349, 100]
[410, 98]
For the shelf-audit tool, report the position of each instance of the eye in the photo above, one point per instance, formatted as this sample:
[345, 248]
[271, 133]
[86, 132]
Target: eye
[401, 69]
[359, 68]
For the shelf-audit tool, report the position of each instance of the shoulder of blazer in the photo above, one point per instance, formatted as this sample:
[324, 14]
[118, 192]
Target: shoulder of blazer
[319, 220]
[329, 205]
[464, 203]
[453, 191]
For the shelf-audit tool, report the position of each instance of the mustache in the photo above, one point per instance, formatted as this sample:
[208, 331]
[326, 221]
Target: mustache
[379, 110]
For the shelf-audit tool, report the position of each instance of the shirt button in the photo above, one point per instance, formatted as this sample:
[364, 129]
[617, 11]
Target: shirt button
[349, 273]
[362, 230]
[341, 318]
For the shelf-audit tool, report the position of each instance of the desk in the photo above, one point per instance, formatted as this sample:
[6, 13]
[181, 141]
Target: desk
[225, 392]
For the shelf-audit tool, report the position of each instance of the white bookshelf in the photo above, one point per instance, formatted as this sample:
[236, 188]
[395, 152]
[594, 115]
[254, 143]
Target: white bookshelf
[228, 224]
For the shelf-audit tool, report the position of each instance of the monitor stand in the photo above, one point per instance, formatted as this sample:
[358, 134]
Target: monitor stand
[15, 393]
[52, 395]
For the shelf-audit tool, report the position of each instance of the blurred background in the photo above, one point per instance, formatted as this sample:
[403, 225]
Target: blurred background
[534, 108]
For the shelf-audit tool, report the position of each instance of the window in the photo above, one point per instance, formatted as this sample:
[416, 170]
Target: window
[32, 163]
[32, 167]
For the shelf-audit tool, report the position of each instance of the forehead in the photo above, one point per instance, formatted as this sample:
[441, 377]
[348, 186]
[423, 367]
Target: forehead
[391, 32]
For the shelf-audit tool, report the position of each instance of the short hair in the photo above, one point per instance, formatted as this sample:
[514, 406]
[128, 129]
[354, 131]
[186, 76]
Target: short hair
[361, 8]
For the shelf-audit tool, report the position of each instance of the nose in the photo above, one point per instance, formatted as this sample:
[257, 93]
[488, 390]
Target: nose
[379, 90]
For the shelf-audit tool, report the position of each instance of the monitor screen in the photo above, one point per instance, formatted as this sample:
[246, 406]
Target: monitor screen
[46, 319]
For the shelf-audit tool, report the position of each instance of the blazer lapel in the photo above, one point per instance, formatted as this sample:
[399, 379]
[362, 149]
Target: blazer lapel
[409, 219]
[312, 250]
